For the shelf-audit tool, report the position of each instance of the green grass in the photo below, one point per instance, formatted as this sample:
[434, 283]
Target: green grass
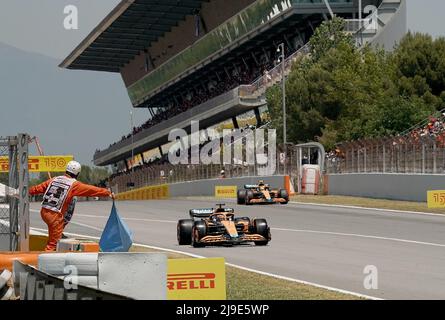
[246, 285]
[368, 203]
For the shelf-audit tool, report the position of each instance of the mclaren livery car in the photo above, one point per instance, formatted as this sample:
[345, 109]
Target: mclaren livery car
[220, 227]
[261, 193]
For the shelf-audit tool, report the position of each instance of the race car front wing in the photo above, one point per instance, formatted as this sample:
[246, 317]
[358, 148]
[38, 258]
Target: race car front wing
[224, 238]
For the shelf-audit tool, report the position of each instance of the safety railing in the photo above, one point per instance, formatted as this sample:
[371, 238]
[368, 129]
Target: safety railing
[403, 154]
[419, 149]
[272, 76]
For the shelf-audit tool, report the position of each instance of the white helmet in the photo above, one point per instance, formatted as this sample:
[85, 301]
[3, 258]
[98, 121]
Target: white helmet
[73, 167]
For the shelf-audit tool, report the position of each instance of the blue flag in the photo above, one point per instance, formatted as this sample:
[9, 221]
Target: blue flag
[116, 237]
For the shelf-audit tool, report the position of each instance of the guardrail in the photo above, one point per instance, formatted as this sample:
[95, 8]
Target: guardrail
[32, 284]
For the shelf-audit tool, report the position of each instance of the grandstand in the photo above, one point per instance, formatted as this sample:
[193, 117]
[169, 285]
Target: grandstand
[206, 60]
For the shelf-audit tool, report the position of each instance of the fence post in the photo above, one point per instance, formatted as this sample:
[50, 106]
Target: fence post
[23, 140]
[365, 158]
[392, 158]
[423, 157]
[352, 160]
[406, 157]
[435, 157]
[384, 158]
[13, 203]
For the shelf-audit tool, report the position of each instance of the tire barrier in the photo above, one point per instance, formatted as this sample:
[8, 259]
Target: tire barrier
[146, 193]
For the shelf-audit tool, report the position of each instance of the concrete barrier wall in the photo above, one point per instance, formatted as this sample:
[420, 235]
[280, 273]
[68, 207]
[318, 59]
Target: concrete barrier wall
[207, 187]
[409, 187]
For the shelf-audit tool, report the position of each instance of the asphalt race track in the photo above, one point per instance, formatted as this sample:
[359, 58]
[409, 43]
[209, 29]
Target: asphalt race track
[329, 246]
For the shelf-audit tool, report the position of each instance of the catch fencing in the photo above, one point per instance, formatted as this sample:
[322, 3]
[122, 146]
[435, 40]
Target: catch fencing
[404, 154]
[14, 200]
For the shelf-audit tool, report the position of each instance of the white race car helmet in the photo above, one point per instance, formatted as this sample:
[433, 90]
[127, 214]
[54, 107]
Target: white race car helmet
[73, 167]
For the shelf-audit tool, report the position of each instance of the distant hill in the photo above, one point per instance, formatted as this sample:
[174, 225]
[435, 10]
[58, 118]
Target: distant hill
[72, 112]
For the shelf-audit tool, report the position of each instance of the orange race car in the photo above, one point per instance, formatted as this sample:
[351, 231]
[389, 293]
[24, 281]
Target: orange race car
[219, 226]
[261, 193]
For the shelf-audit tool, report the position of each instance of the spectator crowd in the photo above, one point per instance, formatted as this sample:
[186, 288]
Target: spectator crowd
[243, 74]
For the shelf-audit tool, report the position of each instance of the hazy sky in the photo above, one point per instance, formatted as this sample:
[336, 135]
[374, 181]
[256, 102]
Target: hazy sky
[37, 26]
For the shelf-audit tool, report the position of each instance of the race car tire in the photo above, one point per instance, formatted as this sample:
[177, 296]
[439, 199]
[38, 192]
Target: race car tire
[198, 232]
[282, 193]
[262, 229]
[249, 196]
[241, 197]
[184, 231]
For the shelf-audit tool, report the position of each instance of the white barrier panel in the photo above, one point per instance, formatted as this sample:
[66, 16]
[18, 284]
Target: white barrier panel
[52, 263]
[136, 275]
[56, 264]
[85, 263]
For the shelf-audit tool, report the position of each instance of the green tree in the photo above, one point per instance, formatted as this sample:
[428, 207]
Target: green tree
[89, 175]
[330, 34]
[42, 177]
[420, 63]
[342, 93]
[93, 175]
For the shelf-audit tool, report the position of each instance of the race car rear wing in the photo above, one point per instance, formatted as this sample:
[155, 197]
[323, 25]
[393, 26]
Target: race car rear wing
[254, 186]
[200, 213]
[205, 213]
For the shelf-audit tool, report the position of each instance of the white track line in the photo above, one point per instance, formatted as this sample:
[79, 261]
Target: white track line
[367, 208]
[361, 236]
[128, 219]
[340, 206]
[86, 226]
[106, 217]
[356, 294]
[330, 205]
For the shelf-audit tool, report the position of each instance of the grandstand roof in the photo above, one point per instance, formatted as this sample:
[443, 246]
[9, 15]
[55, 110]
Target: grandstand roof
[130, 28]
